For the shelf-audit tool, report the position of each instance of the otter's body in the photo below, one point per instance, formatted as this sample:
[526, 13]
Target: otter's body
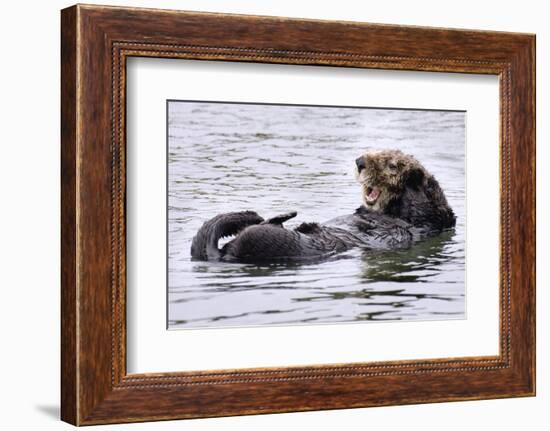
[270, 241]
[403, 204]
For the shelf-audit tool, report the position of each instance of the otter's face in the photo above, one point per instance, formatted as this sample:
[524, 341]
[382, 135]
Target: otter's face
[384, 175]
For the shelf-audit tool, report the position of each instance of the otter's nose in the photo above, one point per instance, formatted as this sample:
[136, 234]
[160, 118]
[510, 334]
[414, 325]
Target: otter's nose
[360, 162]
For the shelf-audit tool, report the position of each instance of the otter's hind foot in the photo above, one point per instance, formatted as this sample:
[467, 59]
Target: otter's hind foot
[280, 219]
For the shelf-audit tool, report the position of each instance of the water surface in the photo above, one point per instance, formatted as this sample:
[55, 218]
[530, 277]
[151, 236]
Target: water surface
[273, 159]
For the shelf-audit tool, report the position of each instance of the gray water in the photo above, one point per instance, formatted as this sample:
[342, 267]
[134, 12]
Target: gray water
[274, 159]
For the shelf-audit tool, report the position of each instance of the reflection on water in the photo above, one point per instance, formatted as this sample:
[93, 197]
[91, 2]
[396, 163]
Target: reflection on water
[273, 159]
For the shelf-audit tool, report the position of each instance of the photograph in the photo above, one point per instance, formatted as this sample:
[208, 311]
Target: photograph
[281, 214]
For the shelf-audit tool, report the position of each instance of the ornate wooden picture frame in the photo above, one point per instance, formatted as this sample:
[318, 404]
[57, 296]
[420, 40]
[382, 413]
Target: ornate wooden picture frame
[96, 41]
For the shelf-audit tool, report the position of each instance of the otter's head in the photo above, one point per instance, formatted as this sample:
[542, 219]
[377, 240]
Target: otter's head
[384, 176]
[397, 184]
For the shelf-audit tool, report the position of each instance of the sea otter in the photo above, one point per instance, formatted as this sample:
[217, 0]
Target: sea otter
[402, 203]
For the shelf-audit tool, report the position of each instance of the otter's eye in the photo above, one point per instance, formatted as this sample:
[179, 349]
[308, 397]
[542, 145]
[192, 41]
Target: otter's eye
[392, 166]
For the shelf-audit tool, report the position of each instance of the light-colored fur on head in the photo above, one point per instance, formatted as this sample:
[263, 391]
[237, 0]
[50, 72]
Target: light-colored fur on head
[396, 184]
[385, 176]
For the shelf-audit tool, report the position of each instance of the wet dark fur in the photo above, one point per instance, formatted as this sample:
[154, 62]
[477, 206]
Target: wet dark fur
[411, 206]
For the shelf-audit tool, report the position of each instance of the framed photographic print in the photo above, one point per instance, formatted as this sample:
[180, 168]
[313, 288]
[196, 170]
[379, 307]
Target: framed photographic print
[265, 214]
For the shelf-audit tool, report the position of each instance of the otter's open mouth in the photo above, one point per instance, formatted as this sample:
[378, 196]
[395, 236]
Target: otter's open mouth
[372, 195]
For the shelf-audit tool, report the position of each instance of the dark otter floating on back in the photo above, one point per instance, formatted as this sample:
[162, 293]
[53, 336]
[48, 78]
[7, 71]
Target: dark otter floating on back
[403, 203]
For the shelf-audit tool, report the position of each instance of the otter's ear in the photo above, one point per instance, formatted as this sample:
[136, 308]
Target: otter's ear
[415, 177]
